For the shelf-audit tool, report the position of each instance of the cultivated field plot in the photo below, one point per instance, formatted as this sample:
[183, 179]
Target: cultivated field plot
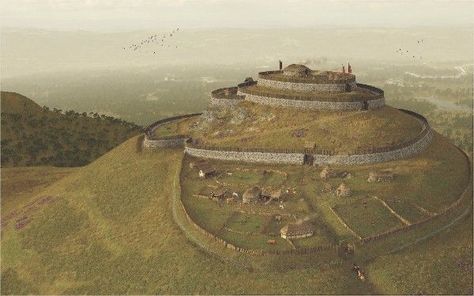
[408, 210]
[207, 214]
[252, 232]
[367, 217]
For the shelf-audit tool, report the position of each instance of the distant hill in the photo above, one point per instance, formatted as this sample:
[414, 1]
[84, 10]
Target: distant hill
[35, 135]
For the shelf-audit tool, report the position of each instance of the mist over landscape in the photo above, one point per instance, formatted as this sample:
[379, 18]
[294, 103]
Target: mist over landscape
[352, 180]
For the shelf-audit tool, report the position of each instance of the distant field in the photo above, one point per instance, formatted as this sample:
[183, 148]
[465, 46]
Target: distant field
[22, 183]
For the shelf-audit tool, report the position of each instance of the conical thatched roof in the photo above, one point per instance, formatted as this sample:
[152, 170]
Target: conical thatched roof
[296, 70]
[343, 190]
[299, 228]
[251, 194]
[326, 173]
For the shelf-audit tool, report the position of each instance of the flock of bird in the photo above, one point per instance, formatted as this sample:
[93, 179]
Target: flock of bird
[156, 39]
[405, 52]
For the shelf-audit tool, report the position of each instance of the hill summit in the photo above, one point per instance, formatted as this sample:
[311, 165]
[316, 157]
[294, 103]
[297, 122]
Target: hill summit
[298, 115]
[34, 135]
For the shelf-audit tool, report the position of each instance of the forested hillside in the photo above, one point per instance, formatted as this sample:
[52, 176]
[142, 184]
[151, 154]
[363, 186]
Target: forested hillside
[34, 135]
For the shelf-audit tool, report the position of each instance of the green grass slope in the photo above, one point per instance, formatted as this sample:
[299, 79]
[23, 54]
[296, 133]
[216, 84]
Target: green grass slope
[32, 135]
[440, 265]
[252, 125]
[111, 232]
[19, 184]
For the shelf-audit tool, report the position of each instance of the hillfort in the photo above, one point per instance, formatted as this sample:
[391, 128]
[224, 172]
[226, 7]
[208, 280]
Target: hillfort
[310, 163]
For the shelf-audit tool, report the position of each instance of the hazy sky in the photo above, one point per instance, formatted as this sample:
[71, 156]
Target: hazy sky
[125, 15]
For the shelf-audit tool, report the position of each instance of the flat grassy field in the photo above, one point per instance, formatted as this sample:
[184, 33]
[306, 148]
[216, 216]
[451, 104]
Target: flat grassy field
[367, 217]
[19, 184]
[256, 126]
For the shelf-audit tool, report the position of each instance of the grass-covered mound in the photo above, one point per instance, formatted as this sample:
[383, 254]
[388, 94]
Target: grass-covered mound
[34, 135]
[250, 125]
[423, 186]
[111, 231]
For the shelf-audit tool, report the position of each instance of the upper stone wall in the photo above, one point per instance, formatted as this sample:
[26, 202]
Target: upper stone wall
[307, 87]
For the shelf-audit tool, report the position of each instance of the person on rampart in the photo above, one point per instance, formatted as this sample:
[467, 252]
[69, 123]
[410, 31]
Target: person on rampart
[280, 64]
[343, 69]
[349, 68]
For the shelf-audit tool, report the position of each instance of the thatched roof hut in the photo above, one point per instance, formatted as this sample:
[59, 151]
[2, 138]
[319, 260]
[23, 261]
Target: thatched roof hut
[296, 70]
[343, 190]
[206, 170]
[251, 194]
[272, 194]
[299, 229]
[220, 193]
[326, 173]
[381, 176]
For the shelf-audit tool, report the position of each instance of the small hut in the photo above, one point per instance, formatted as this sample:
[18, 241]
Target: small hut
[300, 229]
[251, 195]
[343, 191]
[220, 193]
[296, 70]
[272, 194]
[327, 173]
[382, 176]
[206, 170]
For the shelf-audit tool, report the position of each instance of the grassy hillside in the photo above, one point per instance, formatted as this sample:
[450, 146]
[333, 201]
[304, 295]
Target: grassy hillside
[110, 230]
[21, 183]
[32, 135]
[256, 126]
[116, 235]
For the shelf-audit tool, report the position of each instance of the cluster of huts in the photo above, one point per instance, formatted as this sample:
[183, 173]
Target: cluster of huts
[345, 191]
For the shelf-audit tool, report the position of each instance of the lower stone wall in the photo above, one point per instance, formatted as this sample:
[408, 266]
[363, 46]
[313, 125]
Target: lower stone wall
[224, 102]
[402, 153]
[313, 105]
[260, 157]
[319, 159]
[164, 142]
[305, 87]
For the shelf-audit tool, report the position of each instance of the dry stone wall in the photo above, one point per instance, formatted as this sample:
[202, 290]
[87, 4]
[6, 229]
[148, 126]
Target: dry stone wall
[396, 154]
[218, 102]
[306, 87]
[164, 142]
[312, 105]
[259, 157]
[410, 148]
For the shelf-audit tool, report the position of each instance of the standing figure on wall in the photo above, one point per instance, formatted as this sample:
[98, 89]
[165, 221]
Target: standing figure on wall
[343, 69]
[349, 68]
[280, 64]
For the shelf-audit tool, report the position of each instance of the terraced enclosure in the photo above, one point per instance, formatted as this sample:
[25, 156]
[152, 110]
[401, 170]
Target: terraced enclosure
[251, 125]
[358, 94]
[373, 209]
[117, 235]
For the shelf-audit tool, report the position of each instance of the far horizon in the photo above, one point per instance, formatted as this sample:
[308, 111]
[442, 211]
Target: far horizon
[125, 16]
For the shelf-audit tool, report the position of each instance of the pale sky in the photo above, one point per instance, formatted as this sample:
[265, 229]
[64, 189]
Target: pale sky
[127, 15]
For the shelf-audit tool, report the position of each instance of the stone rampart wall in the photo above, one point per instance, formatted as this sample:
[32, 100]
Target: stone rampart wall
[164, 142]
[313, 105]
[218, 102]
[399, 151]
[358, 159]
[306, 87]
[258, 157]
[149, 142]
